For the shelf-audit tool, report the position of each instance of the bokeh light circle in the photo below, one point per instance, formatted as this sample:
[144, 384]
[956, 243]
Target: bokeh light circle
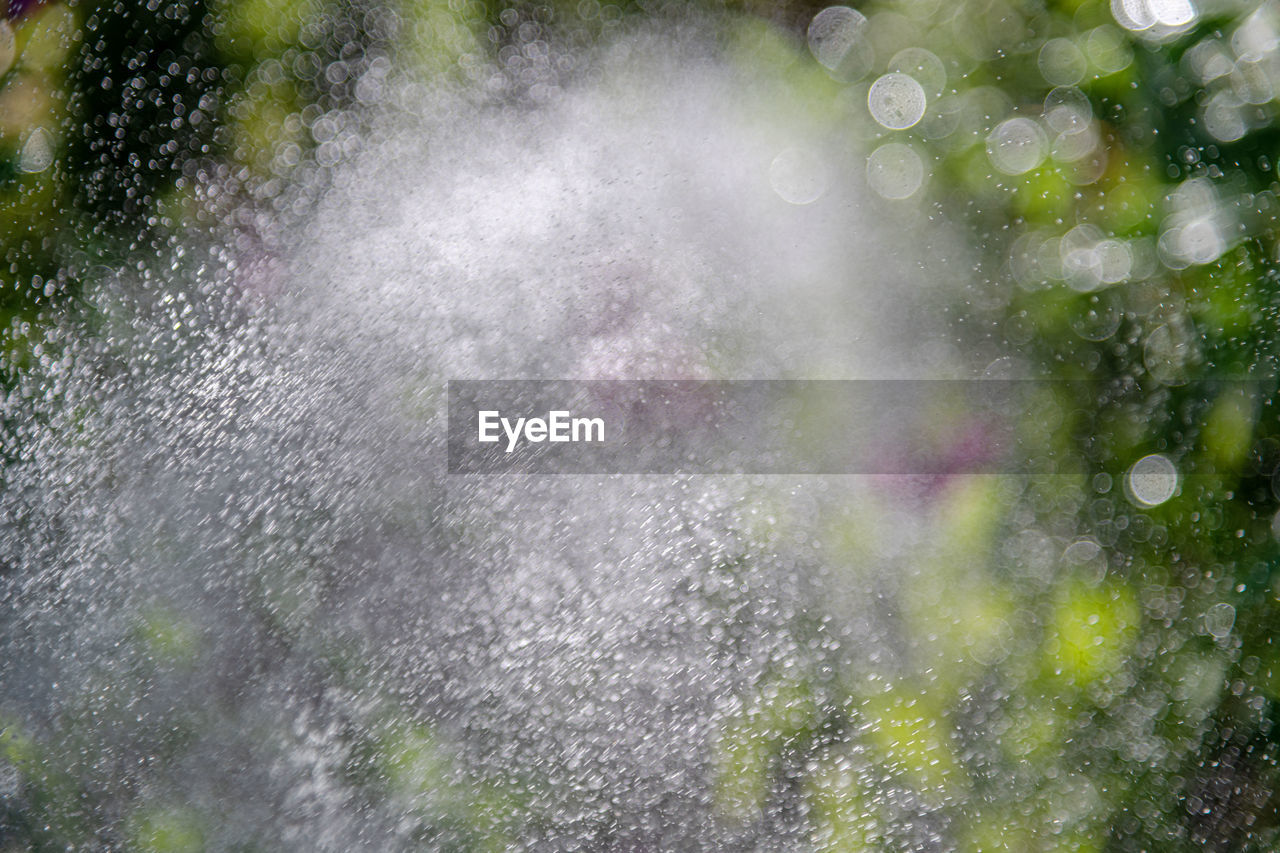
[895, 170]
[896, 101]
[1151, 480]
[1017, 145]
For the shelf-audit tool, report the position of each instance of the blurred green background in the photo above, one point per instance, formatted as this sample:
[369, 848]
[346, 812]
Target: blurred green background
[1115, 163]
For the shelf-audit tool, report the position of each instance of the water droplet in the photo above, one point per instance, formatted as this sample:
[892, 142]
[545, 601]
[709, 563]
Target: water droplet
[797, 176]
[1062, 63]
[1067, 109]
[1115, 260]
[838, 40]
[1192, 241]
[1224, 118]
[1208, 60]
[1172, 13]
[923, 67]
[1152, 480]
[37, 151]
[1098, 321]
[942, 118]
[1140, 15]
[896, 101]
[1016, 146]
[1081, 265]
[895, 170]
[1167, 352]
[1220, 619]
[8, 46]
[1107, 49]
[1082, 550]
[1133, 15]
[1073, 145]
